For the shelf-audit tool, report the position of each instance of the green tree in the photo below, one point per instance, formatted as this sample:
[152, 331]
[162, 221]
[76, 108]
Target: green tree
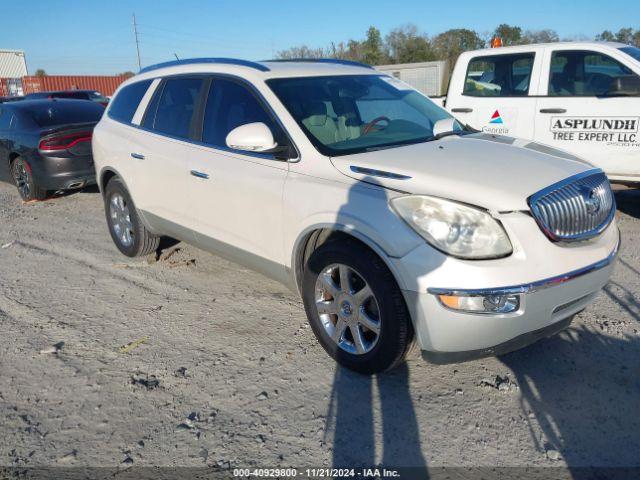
[625, 35]
[406, 45]
[40, 73]
[508, 34]
[450, 44]
[373, 48]
[606, 36]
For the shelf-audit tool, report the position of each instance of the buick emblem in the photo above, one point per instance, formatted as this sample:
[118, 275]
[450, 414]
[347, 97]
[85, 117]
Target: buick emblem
[591, 200]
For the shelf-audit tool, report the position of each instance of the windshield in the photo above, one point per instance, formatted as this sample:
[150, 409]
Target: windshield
[358, 113]
[632, 52]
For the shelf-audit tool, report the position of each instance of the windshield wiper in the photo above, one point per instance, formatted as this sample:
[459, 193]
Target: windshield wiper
[446, 134]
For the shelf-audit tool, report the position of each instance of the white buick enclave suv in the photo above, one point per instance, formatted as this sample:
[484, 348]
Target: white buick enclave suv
[393, 221]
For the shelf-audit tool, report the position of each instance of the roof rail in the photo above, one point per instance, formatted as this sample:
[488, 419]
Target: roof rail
[323, 60]
[191, 61]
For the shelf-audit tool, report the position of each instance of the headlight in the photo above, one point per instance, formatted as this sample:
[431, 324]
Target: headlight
[454, 228]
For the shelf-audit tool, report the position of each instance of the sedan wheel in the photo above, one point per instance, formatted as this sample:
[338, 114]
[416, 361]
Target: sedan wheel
[27, 187]
[348, 309]
[21, 177]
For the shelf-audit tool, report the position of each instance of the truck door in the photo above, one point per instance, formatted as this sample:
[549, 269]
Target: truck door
[497, 93]
[588, 109]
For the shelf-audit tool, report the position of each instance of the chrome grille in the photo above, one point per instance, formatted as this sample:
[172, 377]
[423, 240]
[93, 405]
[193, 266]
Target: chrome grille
[577, 208]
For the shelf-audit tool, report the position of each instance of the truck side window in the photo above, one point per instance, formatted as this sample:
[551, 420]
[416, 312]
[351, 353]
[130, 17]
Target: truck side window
[499, 76]
[585, 73]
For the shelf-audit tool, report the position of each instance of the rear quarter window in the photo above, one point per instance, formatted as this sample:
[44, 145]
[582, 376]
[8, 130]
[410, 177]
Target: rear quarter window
[123, 107]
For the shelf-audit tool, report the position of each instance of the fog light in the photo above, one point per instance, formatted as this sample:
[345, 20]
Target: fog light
[482, 303]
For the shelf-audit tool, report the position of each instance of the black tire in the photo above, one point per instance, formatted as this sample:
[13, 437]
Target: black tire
[25, 183]
[396, 330]
[142, 242]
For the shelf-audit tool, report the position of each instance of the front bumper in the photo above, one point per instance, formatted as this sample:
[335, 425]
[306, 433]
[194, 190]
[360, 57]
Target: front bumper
[516, 343]
[452, 335]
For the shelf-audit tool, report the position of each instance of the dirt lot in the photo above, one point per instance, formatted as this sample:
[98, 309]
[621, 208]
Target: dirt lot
[192, 361]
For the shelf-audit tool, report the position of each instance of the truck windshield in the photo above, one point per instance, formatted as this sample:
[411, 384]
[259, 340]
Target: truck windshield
[356, 113]
[632, 51]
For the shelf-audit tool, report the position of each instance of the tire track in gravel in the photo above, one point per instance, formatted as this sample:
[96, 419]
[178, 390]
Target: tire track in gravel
[87, 261]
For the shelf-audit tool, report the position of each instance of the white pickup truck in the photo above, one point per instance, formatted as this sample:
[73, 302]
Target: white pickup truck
[581, 97]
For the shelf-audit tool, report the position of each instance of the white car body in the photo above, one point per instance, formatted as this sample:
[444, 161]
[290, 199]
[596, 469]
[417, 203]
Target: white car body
[551, 119]
[261, 212]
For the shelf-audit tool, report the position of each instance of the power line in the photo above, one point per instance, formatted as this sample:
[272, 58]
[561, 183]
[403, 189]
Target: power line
[191, 37]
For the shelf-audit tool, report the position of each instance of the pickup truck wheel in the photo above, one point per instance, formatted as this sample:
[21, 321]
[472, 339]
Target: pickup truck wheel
[125, 226]
[356, 308]
[23, 178]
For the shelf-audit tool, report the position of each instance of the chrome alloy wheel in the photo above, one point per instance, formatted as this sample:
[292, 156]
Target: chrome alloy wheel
[21, 177]
[121, 220]
[348, 309]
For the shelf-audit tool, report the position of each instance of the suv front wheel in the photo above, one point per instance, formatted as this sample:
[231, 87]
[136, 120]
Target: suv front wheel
[125, 226]
[356, 308]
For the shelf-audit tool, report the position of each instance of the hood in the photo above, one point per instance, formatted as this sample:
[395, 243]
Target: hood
[494, 172]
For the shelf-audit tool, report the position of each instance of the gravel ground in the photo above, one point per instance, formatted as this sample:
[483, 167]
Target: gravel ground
[192, 361]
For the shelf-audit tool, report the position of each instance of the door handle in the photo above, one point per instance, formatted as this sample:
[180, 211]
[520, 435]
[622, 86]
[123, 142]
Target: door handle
[462, 110]
[137, 156]
[553, 110]
[198, 174]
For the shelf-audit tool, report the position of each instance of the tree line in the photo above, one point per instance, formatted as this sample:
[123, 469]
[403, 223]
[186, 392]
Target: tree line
[406, 44]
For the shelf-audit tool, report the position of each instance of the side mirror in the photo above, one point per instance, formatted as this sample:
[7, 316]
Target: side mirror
[251, 137]
[627, 85]
[444, 126]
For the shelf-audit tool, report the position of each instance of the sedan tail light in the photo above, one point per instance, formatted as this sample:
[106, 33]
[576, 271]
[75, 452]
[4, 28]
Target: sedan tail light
[65, 141]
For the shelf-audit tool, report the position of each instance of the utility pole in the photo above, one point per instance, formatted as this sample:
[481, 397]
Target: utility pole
[135, 34]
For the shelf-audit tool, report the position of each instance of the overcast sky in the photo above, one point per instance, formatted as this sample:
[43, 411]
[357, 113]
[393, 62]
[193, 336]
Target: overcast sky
[95, 37]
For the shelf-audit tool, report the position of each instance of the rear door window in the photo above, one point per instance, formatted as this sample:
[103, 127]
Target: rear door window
[124, 105]
[499, 76]
[174, 107]
[584, 73]
[230, 105]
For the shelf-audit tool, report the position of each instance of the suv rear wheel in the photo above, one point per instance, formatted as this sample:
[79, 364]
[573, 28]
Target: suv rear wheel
[356, 308]
[125, 226]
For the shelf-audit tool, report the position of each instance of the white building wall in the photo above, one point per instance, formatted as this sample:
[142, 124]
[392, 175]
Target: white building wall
[12, 64]
[430, 78]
